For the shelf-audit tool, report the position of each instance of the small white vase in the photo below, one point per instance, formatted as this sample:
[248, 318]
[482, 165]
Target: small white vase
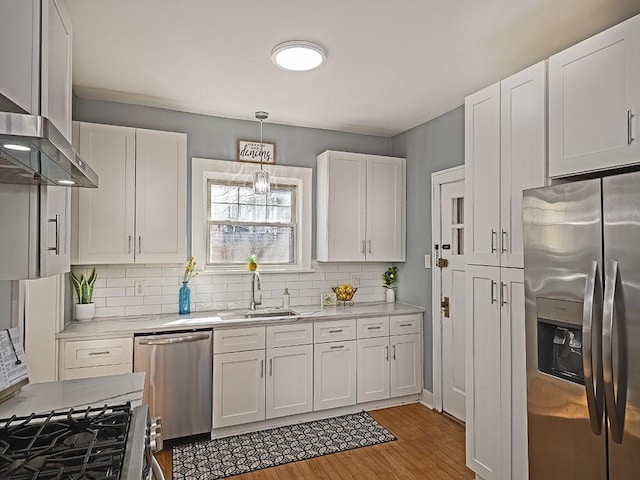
[85, 311]
[391, 295]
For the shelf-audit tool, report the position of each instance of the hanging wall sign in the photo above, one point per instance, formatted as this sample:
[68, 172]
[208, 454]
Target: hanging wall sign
[249, 151]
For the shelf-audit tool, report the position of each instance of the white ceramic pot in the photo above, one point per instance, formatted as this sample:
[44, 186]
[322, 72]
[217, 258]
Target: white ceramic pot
[85, 311]
[391, 295]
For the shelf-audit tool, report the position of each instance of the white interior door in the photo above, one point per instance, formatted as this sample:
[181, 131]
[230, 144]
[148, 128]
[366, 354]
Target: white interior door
[449, 282]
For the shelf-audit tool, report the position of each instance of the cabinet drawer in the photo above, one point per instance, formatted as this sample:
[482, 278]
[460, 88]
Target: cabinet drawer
[334, 331]
[238, 339]
[289, 335]
[403, 324]
[90, 372]
[373, 327]
[96, 353]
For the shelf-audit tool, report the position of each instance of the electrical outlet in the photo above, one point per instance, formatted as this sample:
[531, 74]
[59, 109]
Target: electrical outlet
[356, 280]
[138, 288]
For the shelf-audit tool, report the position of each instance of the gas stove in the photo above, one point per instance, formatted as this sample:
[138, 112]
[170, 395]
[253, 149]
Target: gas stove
[108, 443]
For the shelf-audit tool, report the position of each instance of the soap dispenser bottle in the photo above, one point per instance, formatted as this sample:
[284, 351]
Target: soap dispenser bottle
[286, 298]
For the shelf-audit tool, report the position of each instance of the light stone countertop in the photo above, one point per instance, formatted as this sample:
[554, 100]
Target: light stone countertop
[65, 394]
[205, 320]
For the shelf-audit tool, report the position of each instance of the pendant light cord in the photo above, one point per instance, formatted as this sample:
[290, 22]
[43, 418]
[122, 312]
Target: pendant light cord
[261, 143]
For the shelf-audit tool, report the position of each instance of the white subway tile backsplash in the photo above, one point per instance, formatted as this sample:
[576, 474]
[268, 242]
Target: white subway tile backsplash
[115, 296]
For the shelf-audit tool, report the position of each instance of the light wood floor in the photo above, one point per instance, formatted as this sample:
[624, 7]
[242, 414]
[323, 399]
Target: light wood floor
[429, 447]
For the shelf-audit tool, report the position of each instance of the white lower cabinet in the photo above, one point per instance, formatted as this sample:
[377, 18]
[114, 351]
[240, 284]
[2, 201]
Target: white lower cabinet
[238, 388]
[289, 387]
[373, 369]
[406, 365]
[96, 358]
[496, 423]
[334, 375]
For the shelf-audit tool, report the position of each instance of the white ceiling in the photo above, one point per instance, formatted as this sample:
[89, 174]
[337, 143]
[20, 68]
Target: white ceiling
[392, 64]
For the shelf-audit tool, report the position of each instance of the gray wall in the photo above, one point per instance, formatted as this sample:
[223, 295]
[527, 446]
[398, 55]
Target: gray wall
[428, 148]
[5, 305]
[432, 146]
[216, 137]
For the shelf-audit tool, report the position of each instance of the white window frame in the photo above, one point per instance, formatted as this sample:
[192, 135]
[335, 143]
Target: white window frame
[203, 170]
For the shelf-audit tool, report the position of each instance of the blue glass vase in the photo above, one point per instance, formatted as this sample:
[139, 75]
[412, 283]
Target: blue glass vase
[184, 299]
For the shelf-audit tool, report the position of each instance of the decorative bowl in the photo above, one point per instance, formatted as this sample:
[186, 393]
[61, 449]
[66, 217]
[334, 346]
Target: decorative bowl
[344, 293]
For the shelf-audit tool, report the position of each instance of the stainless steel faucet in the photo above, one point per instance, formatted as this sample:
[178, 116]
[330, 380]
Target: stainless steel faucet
[255, 303]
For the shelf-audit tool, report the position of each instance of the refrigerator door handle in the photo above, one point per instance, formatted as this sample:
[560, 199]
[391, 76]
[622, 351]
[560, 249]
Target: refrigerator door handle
[592, 337]
[615, 406]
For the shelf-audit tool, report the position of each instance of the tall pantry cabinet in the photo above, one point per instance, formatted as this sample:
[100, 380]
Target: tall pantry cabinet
[505, 153]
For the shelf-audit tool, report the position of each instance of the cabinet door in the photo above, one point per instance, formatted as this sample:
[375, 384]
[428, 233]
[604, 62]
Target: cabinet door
[106, 214]
[55, 242]
[482, 174]
[20, 54]
[289, 381]
[161, 197]
[385, 209]
[406, 365]
[342, 182]
[238, 388]
[514, 375]
[594, 89]
[56, 65]
[523, 153]
[373, 369]
[484, 416]
[334, 375]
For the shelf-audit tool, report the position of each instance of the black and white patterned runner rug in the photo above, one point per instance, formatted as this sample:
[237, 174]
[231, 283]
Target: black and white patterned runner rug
[224, 457]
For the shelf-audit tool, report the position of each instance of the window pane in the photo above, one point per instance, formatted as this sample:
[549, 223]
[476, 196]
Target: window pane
[224, 193]
[224, 211]
[253, 213]
[234, 244]
[278, 214]
[247, 196]
[281, 197]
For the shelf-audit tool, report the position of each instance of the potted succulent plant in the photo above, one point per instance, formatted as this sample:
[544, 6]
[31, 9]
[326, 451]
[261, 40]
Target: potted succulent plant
[389, 279]
[85, 308]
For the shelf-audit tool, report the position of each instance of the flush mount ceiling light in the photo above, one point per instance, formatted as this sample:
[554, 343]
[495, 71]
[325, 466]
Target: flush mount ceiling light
[298, 55]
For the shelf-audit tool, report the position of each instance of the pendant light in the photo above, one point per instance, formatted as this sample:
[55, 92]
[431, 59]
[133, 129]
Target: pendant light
[261, 185]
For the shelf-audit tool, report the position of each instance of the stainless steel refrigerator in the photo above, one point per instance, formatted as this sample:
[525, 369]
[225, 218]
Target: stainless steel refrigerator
[582, 283]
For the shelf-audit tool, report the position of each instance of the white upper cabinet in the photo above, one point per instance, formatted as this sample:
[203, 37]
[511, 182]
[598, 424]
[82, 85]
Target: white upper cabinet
[505, 153]
[56, 72]
[594, 102]
[56, 228]
[361, 208]
[138, 213]
[35, 49]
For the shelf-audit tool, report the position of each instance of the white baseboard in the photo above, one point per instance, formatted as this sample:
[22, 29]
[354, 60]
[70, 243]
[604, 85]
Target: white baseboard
[427, 399]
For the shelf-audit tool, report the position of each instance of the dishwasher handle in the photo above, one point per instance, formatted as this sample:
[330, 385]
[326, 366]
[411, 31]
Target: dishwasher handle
[172, 340]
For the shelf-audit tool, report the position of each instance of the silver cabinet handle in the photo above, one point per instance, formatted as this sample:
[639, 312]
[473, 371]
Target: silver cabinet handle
[105, 352]
[130, 238]
[493, 292]
[630, 117]
[173, 340]
[394, 352]
[503, 240]
[139, 243]
[494, 234]
[386, 353]
[503, 294]
[614, 407]
[363, 246]
[406, 325]
[369, 246]
[335, 347]
[56, 220]
[336, 331]
[591, 329]
[261, 368]
[271, 367]
[374, 328]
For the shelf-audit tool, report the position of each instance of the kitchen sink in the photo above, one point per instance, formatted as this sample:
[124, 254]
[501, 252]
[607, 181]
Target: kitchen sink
[258, 314]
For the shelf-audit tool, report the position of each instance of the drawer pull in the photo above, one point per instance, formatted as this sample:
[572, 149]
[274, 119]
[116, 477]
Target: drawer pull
[394, 352]
[406, 324]
[386, 353]
[336, 331]
[335, 347]
[105, 352]
[374, 328]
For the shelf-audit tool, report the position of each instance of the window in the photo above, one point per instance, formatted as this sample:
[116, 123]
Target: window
[242, 223]
[229, 222]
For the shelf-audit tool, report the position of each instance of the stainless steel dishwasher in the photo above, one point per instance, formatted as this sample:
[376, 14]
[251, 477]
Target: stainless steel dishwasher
[178, 380]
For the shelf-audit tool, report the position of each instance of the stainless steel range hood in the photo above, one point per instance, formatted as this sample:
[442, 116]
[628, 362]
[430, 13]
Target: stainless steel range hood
[33, 151]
